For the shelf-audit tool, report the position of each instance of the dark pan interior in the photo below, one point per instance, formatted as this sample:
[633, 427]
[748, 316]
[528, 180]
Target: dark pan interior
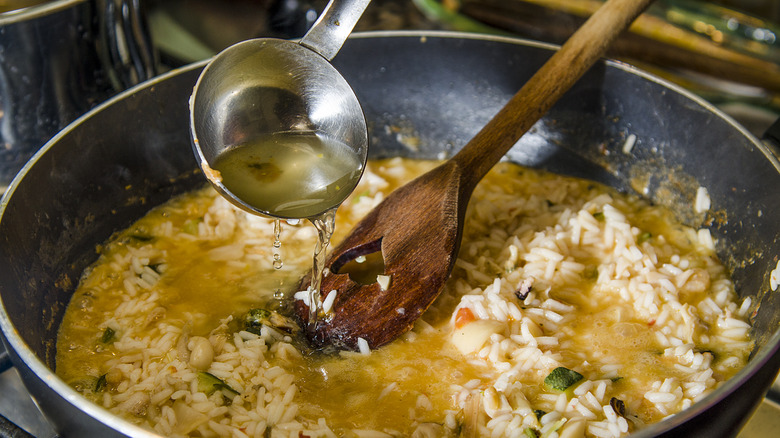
[423, 97]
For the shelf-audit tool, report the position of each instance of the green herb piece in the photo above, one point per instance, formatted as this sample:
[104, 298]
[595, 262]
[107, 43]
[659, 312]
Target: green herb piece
[100, 384]
[644, 237]
[141, 237]
[599, 215]
[530, 432]
[255, 319]
[356, 199]
[616, 379]
[109, 335]
[562, 378]
[539, 413]
[209, 383]
[191, 226]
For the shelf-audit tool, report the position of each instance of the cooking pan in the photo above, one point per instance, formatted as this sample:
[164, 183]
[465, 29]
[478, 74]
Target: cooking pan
[424, 95]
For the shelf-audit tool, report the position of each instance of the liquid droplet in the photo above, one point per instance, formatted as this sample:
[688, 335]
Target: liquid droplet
[278, 263]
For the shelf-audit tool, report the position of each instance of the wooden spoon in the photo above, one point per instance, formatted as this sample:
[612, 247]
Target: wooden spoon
[418, 227]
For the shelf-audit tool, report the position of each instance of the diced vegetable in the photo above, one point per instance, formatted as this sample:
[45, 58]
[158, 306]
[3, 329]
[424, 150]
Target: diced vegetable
[191, 226]
[463, 317]
[357, 197]
[141, 237]
[209, 383]
[562, 378]
[644, 237]
[599, 216]
[187, 418]
[255, 319]
[471, 337]
[100, 384]
[109, 335]
[530, 432]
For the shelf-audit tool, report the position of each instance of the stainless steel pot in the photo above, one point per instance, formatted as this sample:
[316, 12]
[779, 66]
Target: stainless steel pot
[132, 153]
[60, 58]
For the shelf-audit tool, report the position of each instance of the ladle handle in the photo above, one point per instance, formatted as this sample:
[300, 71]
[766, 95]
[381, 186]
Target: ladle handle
[546, 86]
[336, 22]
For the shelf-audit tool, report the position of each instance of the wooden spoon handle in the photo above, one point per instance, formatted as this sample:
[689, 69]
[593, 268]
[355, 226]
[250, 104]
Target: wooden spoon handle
[545, 87]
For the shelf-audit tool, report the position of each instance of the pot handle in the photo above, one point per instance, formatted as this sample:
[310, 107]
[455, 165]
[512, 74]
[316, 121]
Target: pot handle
[772, 137]
[126, 44]
[5, 359]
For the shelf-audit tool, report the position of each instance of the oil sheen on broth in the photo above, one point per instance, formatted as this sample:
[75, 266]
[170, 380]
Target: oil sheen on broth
[292, 175]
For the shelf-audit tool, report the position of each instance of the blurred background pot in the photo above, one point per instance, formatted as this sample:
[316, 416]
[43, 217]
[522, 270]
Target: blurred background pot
[58, 59]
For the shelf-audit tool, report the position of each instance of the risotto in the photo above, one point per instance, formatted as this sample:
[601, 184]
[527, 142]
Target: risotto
[572, 311]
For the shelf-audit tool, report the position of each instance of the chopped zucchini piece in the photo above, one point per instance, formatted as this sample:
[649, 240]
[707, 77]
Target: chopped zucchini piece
[191, 226]
[109, 335]
[100, 384]
[141, 237]
[255, 319]
[562, 378]
[209, 383]
[357, 197]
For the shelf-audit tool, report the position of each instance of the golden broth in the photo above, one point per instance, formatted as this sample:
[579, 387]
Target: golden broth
[647, 316]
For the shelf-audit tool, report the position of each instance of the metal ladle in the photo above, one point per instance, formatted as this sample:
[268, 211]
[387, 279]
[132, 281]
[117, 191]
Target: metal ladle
[265, 87]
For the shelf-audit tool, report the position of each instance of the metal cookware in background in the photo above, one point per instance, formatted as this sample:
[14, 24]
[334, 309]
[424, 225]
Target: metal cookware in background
[424, 96]
[60, 58]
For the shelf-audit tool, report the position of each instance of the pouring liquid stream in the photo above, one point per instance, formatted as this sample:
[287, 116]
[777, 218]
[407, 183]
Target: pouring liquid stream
[325, 225]
[294, 174]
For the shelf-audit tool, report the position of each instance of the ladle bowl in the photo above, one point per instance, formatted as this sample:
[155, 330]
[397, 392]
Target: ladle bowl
[264, 87]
